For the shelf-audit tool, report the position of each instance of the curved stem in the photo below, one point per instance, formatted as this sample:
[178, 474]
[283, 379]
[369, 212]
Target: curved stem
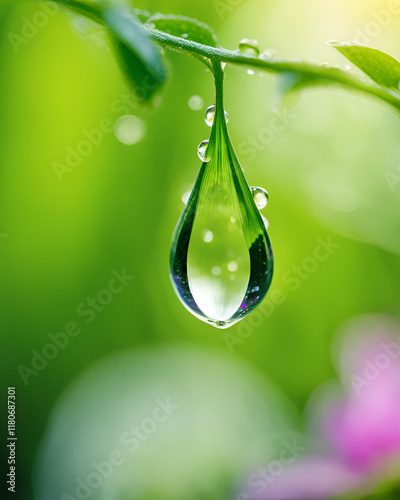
[320, 74]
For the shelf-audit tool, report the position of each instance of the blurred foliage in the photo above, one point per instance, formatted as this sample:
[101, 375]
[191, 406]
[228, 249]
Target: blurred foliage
[331, 167]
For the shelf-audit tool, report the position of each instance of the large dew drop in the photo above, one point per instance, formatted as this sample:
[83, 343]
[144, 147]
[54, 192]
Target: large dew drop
[221, 258]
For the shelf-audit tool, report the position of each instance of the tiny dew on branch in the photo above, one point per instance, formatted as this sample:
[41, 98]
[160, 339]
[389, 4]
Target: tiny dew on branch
[132, 33]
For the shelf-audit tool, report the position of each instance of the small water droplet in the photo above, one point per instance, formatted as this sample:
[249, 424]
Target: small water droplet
[333, 42]
[249, 47]
[202, 151]
[325, 65]
[207, 236]
[151, 26]
[260, 197]
[129, 129]
[185, 35]
[195, 102]
[268, 54]
[347, 67]
[250, 72]
[209, 115]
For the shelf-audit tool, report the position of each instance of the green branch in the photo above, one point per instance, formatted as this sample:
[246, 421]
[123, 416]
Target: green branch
[133, 31]
[311, 71]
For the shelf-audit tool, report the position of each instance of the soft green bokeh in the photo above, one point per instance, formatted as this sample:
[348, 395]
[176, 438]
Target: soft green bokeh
[325, 165]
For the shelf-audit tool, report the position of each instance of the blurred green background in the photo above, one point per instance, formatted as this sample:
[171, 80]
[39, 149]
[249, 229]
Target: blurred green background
[325, 171]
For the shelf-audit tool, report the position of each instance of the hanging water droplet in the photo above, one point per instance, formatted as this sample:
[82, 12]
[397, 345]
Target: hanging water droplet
[210, 113]
[249, 47]
[202, 151]
[221, 258]
[260, 197]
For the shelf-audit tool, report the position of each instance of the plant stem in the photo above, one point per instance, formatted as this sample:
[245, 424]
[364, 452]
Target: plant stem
[219, 86]
[320, 74]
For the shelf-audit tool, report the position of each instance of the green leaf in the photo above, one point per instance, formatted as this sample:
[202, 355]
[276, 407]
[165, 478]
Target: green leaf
[138, 56]
[183, 27]
[140, 59]
[381, 67]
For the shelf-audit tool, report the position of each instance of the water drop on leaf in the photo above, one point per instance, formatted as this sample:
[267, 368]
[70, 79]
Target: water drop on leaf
[202, 149]
[260, 197]
[210, 113]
